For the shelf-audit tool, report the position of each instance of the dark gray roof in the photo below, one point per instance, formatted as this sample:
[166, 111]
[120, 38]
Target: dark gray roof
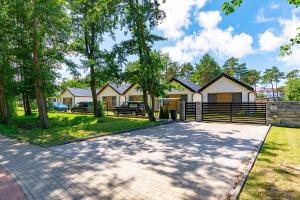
[120, 88]
[189, 84]
[81, 92]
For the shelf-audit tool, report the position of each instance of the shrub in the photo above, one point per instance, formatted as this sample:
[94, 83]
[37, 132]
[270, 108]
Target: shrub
[101, 108]
[161, 113]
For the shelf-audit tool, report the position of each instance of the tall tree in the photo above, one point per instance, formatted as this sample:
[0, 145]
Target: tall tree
[230, 66]
[48, 25]
[206, 70]
[6, 56]
[278, 76]
[93, 19]
[269, 78]
[241, 72]
[292, 90]
[139, 18]
[252, 78]
[186, 70]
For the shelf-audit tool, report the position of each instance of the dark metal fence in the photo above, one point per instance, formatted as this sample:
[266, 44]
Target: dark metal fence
[190, 111]
[234, 112]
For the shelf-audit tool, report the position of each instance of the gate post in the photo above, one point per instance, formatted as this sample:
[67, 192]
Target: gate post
[182, 110]
[198, 111]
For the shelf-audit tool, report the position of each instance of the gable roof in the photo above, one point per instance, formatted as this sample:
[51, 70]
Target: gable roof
[120, 89]
[228, 77]
[80, 92]
[186, 83]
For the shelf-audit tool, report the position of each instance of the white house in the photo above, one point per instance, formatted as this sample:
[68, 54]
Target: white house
[72, 96]
[225, 88]
[112, 94]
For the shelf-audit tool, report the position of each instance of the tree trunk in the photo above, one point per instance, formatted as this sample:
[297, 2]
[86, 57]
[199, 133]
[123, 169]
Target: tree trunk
[40, 99]
[149, 110]
[94, 93]
[27, 107]
[4, 115]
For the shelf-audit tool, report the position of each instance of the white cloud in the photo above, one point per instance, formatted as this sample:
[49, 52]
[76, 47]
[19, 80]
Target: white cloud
[274, 5]
[212, 39]
[178, 13]
[209, 19]
[261, 17]
[293, 59]
[269, 41]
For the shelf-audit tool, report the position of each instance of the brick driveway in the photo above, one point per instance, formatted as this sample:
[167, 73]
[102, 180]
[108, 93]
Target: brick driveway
[177, 161]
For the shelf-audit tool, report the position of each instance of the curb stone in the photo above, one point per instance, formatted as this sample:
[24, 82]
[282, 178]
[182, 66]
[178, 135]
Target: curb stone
[243, 172]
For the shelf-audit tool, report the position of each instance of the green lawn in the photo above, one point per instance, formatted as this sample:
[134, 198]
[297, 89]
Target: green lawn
[65, 127]
[276, 173]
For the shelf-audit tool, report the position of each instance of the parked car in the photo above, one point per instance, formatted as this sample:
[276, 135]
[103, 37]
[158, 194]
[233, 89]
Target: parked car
[131, 107]
[60, 106]
[83, 107]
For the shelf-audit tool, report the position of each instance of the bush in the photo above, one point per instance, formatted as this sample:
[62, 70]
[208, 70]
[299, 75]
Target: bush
[161, 113]
[101, 108]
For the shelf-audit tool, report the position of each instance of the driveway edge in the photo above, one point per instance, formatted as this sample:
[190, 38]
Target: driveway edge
[235, 192]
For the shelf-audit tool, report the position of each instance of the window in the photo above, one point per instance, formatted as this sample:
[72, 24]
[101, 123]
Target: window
[237, 97]
[114, 100]
[212, 98]
[131, 98]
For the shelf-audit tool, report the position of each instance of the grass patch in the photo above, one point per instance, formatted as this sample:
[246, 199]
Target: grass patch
[276, 172]
[66, 127]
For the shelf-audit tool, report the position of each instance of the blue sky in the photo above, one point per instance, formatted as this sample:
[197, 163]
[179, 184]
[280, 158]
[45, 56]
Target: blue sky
[253, 33]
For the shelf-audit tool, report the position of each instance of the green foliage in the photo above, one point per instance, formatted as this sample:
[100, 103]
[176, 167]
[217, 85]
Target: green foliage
[174, 69]
[293, 74]
[292, 90]
[272, 76]
[252, 77]
[206, 70]
[234, 69]
[76, 83]
[101, 105]
[140, 18]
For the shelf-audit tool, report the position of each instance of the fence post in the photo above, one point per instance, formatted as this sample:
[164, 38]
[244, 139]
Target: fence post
[182, 110]
[198, 111]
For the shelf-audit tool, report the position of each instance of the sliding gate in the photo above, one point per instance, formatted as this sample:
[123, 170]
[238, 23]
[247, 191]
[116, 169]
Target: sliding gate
[234, 112]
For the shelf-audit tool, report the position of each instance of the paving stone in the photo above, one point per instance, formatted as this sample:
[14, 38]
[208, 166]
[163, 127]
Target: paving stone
[175, 161]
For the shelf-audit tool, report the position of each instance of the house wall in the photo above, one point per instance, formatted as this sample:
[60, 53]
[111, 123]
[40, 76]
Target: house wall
[224, 85]
[181, 90]
[109, 92]
[66, 94]
[75, 100]
[134, 91]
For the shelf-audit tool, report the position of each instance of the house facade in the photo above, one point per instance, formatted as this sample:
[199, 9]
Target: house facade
[223, 88]
[112, 94]
[226, 89]
[72, 96]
